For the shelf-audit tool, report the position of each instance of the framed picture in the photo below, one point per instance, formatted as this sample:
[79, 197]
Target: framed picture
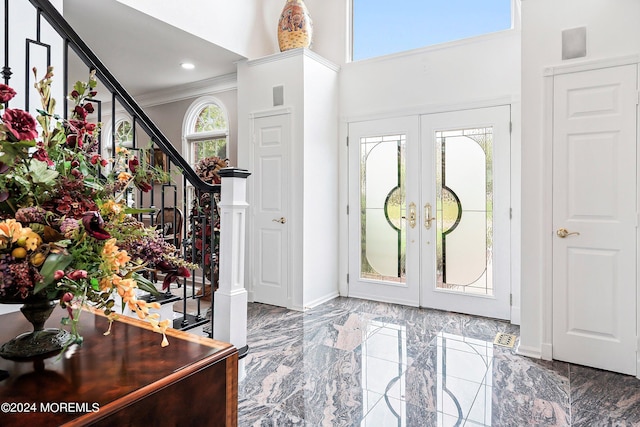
[160, 159]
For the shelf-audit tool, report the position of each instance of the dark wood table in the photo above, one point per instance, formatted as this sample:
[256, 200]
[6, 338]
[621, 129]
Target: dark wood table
[122, 379]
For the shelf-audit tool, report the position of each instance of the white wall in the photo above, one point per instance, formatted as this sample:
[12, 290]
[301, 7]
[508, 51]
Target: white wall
[310, 94]
[612, 31]
[249, 27]
[433, 78]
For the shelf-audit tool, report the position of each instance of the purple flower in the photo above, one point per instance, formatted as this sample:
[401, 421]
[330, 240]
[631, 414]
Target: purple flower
[94, 225]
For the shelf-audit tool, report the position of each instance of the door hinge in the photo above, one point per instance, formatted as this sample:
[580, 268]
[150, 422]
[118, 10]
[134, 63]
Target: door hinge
[347, 277]
[347, 209]
[347, 141]
[510, 300]
[637, 97]
[510, 127]
[510, 213]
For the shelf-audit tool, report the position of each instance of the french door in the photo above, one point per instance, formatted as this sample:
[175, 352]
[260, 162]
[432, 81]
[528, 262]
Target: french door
[429, 211]
[383, 233]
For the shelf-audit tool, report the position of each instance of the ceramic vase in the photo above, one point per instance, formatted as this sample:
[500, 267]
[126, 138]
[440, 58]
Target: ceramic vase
[295, 28]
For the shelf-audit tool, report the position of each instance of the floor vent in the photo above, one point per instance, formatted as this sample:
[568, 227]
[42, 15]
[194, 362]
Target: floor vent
[505, 340]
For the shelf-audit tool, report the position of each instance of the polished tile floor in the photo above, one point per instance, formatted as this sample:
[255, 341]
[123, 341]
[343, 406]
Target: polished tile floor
[352, 362]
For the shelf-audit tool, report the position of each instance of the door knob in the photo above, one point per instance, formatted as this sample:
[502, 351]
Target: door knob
[563, 232]
[281, 220]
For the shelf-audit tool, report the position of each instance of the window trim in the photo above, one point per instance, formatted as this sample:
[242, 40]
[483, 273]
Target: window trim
[189, 122]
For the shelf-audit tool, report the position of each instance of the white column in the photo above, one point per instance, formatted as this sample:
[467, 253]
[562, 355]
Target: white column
[230, 300]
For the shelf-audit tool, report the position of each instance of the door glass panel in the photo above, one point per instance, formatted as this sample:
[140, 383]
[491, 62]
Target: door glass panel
[464, 198]
[382, 208]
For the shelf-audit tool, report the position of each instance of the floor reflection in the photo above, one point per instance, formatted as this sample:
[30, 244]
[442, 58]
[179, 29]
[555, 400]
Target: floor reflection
[352, 362]
[463, 386]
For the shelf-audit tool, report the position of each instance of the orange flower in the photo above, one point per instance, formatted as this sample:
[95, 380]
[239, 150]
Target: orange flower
[161, 327]
[11, 231]
[124, 176]
[114, 258]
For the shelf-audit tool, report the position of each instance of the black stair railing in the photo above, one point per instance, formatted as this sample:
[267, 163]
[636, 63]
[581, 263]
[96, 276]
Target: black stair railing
[184, 219]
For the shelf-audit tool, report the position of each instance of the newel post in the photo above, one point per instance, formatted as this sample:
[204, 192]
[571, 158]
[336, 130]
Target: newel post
[230, 302]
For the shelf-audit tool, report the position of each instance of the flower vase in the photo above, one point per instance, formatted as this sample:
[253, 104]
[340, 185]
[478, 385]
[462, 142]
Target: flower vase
[42, 342]
[295, 28]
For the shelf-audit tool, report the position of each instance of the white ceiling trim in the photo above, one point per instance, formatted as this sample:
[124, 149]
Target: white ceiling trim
[190, 90]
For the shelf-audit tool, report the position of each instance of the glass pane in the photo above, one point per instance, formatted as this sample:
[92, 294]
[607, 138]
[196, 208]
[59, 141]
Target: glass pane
[209, 148]
[382, 208]
[124, 134]
[464, 197]
[211, 118]
[386, 27]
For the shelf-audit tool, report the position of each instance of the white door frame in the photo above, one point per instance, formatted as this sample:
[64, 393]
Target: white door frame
[546, 303]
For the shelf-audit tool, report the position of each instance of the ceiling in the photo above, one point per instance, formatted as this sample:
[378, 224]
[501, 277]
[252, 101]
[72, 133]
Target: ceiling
[143, 53]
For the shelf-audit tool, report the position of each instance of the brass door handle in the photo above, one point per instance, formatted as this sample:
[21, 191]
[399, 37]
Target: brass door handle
[281, 220]
[427, 216]
[412, 215]
[563, 232]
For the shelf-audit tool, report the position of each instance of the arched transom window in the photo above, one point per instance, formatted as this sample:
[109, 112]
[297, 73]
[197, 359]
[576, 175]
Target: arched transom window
[207, 130]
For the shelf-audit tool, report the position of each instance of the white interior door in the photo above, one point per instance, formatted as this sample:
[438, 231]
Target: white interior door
[271, 141]
[595, 218]
[383, 200]
[466, 211]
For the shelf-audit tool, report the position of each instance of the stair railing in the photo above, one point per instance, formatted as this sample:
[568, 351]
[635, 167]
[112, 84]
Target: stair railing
[166, 195]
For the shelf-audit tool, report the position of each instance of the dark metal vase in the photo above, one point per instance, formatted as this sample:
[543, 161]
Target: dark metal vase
[42, 342]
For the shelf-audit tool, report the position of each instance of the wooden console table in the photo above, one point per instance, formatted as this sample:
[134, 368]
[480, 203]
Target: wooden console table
[122, 379]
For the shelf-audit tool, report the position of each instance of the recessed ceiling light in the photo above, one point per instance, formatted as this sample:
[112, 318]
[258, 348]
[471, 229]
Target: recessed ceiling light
[187, 66]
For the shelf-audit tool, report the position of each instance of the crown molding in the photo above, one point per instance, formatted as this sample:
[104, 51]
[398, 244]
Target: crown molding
[191, 90]
[301, 51]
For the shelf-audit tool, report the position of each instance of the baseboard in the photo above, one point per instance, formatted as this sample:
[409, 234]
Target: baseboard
[532, 352]
[387, 300]
[321, 300]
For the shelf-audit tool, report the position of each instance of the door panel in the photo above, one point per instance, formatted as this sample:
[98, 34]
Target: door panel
[465, 257]
[383, 183]
[271, 139]
[594, 218]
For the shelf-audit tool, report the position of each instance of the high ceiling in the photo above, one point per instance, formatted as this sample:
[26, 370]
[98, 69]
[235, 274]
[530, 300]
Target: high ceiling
[145, 54]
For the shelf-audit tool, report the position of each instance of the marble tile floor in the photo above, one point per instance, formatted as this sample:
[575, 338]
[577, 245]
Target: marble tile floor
[353, 362]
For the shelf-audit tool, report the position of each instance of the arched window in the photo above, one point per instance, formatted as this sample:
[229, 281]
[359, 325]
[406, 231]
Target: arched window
[205, 130]
[123, 136]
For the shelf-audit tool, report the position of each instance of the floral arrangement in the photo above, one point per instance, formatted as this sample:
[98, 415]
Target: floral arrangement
[201, 229]
[66, 231]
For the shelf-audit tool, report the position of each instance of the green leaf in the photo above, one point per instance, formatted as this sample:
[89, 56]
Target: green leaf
[145, 284]
[53, 263]
[132, 211]
[79, 86]
[41, 174]
[95, 284]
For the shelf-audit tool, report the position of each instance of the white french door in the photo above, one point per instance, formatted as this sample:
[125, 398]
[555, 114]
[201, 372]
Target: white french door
[383, 243]
[429, 211]
[465, 262]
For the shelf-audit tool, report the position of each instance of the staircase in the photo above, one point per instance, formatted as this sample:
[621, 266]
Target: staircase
[41, 37]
